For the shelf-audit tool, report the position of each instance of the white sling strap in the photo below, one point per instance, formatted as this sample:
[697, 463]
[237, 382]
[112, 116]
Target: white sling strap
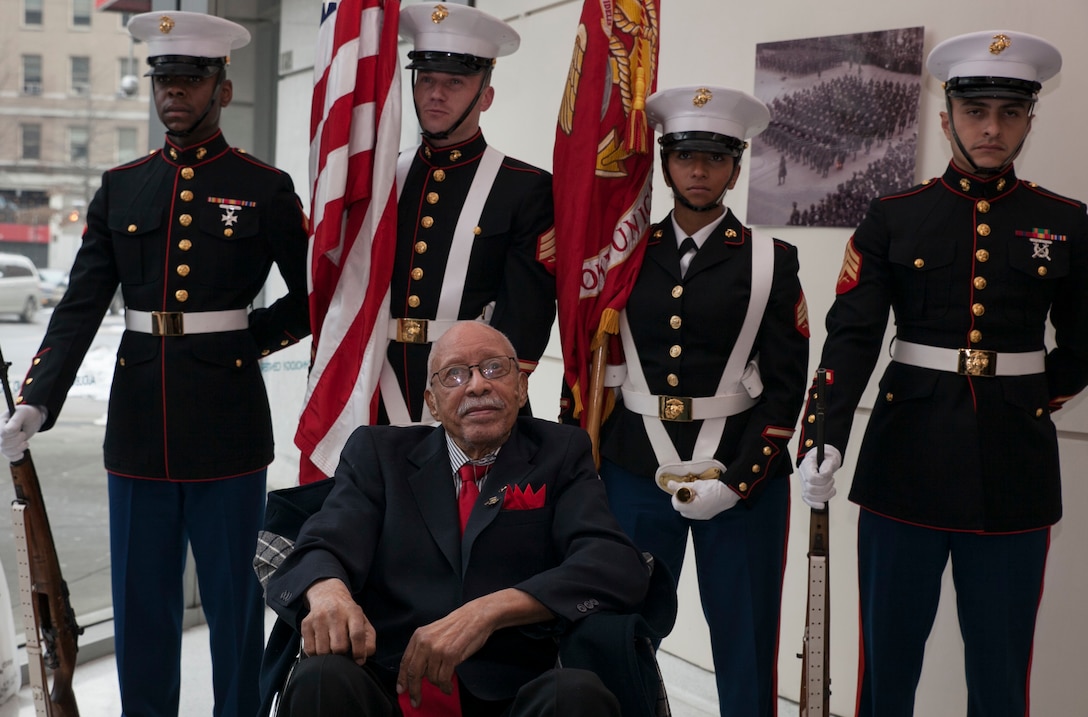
[453, 280]
[710, 433]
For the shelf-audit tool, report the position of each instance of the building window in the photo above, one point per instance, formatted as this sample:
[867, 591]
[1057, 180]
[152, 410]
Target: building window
[81, 13]
[81, 75]
[126, 144]
[32, 74]
[32, 12]
[79, 144]
[129, 66]
[32, 141]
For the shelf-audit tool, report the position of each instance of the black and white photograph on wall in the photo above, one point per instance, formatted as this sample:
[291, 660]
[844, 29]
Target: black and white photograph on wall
[844, 126]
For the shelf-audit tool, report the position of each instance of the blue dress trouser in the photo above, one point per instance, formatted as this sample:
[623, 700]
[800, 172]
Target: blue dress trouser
[740, 556]
[151, 524]
[999, 583]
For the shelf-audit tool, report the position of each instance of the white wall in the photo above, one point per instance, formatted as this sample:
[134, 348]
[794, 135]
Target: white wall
[707, 41]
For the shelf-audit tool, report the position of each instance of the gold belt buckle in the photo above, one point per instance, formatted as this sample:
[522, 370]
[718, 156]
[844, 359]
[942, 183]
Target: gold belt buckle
[412, 331]
[977, 362]
[167, 323]
[674, 408]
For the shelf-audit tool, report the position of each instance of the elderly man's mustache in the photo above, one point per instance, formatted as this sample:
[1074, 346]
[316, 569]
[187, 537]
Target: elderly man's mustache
[472, 403]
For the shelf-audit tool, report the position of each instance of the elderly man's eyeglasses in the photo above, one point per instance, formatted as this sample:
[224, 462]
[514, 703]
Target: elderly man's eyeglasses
[459, 374]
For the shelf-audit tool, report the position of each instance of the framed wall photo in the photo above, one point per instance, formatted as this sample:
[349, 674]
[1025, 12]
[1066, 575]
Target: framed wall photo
[844, 126]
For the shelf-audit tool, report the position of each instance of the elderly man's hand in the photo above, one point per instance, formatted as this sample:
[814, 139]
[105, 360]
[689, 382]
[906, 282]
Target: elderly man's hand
[435, 650]
[336, 624]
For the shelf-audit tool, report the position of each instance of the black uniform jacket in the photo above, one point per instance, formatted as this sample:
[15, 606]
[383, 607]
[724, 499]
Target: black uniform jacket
[182, 230]
[389, 530]
[963, 263]
[698, 318]
[509, 265]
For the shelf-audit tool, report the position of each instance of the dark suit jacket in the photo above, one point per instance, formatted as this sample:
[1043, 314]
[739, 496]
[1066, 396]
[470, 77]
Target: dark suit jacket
[956, 260]
[710, 306]
[189, 230]
[389, 530]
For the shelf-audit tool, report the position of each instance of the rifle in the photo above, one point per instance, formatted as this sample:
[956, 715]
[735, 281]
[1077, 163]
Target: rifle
[47, 612]
[815, 659]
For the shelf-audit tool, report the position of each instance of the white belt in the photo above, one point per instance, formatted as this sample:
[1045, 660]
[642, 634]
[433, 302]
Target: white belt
[680, 408]
[418, 331]
[969, 362]
[177, 323]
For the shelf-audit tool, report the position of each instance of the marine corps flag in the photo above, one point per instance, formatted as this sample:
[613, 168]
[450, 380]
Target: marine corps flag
[354, 142]
[602, 166]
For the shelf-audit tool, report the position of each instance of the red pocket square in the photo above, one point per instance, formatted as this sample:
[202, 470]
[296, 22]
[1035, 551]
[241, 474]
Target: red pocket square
[524, 499]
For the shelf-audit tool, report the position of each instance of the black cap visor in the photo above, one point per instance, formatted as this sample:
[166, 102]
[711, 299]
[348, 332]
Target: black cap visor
[184, 66]
[992, 87]
[702, 142]
[455, 63]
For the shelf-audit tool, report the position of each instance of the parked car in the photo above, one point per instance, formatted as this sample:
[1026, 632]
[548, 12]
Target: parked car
[54, 283]
[20, 288]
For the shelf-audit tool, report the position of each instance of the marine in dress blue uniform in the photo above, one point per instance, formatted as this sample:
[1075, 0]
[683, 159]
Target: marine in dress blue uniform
[190, 233]
[687, 327]
[960, 456]
[499, 259]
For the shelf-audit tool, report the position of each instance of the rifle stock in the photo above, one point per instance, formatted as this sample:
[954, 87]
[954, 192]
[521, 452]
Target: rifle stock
[815, 700]
[50, 623]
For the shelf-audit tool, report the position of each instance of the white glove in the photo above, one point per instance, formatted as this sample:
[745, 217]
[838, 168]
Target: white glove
[709, 497]
[16, 431]
[818, 483]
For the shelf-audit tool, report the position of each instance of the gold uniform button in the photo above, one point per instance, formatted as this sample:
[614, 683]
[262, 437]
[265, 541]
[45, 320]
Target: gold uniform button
[122, 362]
[919, 263]
[131, 228]
[743, 487]
[228, 232]
[978, 309]
[238, 363]
[673, 380]
[455, 155]
[265, 352]
[983, 206]
[811, 418]
[427, 222]
[766, 450]
[675, 322]
[439, 175]
[420, 247]
[183, 270]
[809, 443]
[201, 153]
[982, 255]
[417, 273]
[413, 301]
[432, 197]
[975, 336]
[1038, 412]
[984, 230]
[29, 381]
[889, 397]
[979, 283]
[37, 361]
[187, 173]
[675, 350]
[185, 220]
[477, 231]
[677, 291]
[19, 399]
[186, 196]
[755, 469]
[185, 245]
[658, 234]
[965, 185]
[285, 342]
[1042, 271]
[181, 295]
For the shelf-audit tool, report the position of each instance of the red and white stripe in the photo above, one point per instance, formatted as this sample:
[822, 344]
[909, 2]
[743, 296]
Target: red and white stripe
[354, 142]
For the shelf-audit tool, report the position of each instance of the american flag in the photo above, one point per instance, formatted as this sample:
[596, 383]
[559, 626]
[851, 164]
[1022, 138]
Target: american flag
[602, 163]
[354, 142]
